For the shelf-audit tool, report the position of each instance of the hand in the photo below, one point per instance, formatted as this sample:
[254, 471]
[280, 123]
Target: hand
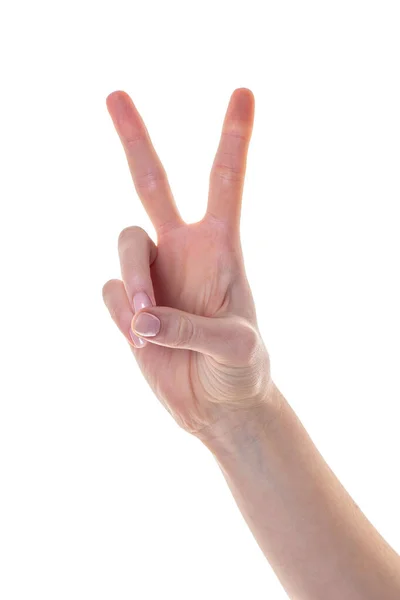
[200, 349]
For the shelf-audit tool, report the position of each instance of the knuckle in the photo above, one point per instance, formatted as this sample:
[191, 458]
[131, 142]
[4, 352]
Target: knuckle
[149, 180]
[249, 342]
[107, 289]
[132, 141]
[168, 226]
[128, 234]
[228, 172]
[240, 134]
[184, 334]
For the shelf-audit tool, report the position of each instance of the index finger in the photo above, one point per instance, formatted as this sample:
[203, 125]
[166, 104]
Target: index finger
[147, 172]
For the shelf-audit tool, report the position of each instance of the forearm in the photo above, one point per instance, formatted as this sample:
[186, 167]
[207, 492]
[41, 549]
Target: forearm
[319, 543]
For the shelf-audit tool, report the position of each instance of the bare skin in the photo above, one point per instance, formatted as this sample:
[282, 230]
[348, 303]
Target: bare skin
[203, 356]
[197, 271]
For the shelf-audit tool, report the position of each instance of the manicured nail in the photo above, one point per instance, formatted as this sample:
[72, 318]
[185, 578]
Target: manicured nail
[139, 343]
[147, 325]
[141, 300]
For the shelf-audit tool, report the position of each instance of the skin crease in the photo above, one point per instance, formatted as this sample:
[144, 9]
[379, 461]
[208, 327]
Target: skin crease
[204, 288]
[208, 365]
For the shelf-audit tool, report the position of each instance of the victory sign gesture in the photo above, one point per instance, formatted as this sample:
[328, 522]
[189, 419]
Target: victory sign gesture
[184, 303]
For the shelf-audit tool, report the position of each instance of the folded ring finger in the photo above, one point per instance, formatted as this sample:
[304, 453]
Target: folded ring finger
[137, 252]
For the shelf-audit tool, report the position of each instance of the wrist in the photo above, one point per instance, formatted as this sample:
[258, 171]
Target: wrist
[238, 429]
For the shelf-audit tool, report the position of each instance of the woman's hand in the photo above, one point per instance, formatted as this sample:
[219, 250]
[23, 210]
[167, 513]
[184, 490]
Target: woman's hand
[206, 362]
[200, 351]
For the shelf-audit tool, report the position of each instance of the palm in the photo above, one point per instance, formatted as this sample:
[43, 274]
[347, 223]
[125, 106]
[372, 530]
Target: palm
[198, 267]
[182, 281]
[189, 271]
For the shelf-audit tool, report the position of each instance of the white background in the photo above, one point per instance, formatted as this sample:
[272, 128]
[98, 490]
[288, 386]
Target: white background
[102, 495]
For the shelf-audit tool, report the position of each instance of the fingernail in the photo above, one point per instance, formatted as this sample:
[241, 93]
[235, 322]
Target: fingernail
[138, 342]
[141, 300]
[147, 325]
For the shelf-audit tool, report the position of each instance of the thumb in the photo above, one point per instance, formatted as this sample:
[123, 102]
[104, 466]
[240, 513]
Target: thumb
[231, 339]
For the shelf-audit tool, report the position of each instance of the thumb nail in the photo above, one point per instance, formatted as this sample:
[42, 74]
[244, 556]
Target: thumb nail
[146, 324]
